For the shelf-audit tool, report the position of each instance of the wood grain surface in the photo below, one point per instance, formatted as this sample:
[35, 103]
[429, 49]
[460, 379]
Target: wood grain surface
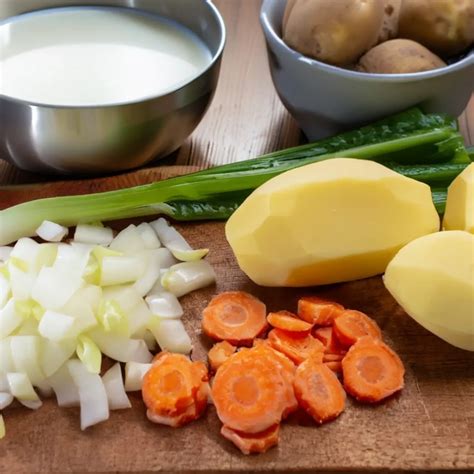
[429, 427]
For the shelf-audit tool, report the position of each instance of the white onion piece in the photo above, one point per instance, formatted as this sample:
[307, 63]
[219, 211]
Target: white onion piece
[90, 234]
[185, 277]
[81, 310]
[4, 387]
[175, 242]
[55, 286]
[51, 232]
[55, 354]
[125, 296]
[44, 388]
[171, 335]
[150, 340]
[165, 305]
[56, 326]
[129, 241]
[46, 256]
[67, 394]
[113, 383]
[121, 348]
[20, 386]
[148, 235]
[5, 253]
[9, 319]
[138, 318]
[120, 270]
[73, 258]
[91, 294]
[6, 360]
[4, 290]
[134, 373]
[152, 272]
[5, 400]
[2, 427]
[26, 356]
[26, 249]
[92, 394]
[32, 404]
[21, 282]
[29, 327]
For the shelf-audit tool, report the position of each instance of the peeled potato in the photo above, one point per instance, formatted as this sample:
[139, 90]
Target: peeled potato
[443, 26]
[459, 213]
[337, 220]
[432, 279]
[399, 56]
[336, 32]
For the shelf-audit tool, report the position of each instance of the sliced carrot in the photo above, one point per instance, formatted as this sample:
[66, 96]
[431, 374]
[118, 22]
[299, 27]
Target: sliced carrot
[327, 337]
[352, 325]
[335, 366]
[297, 347]
[372, 371]
[288, 322]
[318, 391]
[219, 353]
[249, 392]
[318, 311]
[234, 316]
[328, 357]
[172, 386]
[255, 442]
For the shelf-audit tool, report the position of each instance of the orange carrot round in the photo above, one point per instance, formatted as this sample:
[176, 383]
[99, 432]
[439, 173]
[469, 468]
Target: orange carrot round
[318, 391]
[318, 311]
[327, 357]
[253, 442]
[234, 316]
[288, 322]
[327, 337]
[335, 366]
[372, 371]
[352, 325]
[219, 353]
[297, 347]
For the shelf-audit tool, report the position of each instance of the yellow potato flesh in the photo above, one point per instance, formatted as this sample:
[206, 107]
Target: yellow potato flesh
[459, 213]
[432, 279]
[337, 220]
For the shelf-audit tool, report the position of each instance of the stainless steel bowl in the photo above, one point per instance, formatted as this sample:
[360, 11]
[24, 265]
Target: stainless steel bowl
[325, 99]
[100, 139]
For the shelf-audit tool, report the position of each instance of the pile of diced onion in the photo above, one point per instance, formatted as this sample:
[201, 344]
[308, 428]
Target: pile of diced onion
[63, 306]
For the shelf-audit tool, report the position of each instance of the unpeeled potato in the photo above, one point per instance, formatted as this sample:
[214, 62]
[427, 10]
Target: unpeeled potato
[391, 18]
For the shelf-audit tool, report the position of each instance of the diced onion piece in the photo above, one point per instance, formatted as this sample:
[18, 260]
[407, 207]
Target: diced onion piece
[171, 335]
[9, 319]
[26, 352]
[176, 243]
[134, 373]
[138, 318]
[73, 258]
[6, 360]
[125, 295]
[92, 394]
[26, 250]
[113, 383]
[152, 271]
[129, 241]
[121, 348]
[5, 399]
[2, 428]
[56, 326]
[120, 270]
[150, 340]
[32, 404]
[4, 290]
[165, 305]
[29, 327]
[21, 282]
[51, 232]
[4, 387]
[89, 234]
[148, 235]
[55, 354]
[185, 277]
[5, 253]
[112, 318]
[67, 394]
[89, 354]
[21, 387]
[92, 294]
[46, 256]
[44, 389]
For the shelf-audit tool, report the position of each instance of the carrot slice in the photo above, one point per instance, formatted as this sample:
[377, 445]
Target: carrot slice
[318, 391]
[318, 311]
[255, 442]
[297, 347]
[249, 392]
[219, 353]
[372, 371]
[234, 316]
[335, 366]
[352, 325]
[288, 322]
[328, 338]
[328, 357]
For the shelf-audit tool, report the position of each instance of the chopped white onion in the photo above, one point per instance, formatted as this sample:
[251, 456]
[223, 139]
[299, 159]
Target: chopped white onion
[21, 282]
[26, 250]
[120, 270]
[32, 404]
[9, 319]
[20, 387]
[171, 335]
[2, 427]
[73, 258]
[134, 373]
[6, 360]
[185, 277]
[55, 354]
[148, 235]
[90, 294]
[26, 352]
[4, 290]
[150, 340]
[125, 296]
[56, 326]
[129, 241]
[45, 389]
[165, 305]
[29, 327]
[51, 232]
[151, 274]
[138, 318]
[67, 394]
[4, 387]
[113, 383]
[90, 234]
[92, 394]
[5, 253]
[5, 400]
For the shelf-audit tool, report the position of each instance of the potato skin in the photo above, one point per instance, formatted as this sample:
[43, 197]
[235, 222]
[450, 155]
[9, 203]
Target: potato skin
[335, 32]
[391, 18]
[446, 27]
[399, 56]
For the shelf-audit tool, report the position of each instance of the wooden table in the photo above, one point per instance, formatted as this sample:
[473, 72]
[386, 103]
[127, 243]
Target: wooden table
[429, 427]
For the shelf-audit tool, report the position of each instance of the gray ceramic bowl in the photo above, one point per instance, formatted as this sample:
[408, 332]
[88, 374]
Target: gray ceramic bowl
[325, 99]
[45, 138]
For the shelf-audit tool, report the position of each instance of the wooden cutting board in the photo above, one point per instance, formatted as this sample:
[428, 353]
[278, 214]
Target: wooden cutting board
[429, 426]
